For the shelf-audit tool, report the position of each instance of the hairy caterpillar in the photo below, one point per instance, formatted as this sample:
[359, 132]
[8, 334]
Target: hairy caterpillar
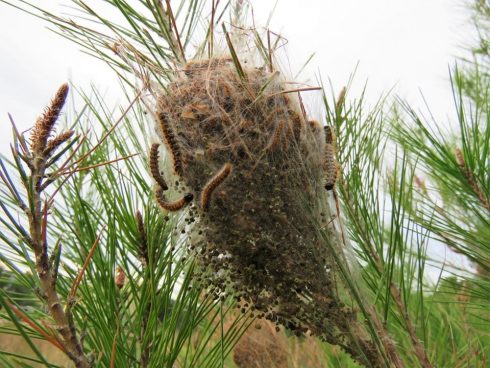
[172, 206]
[154, 167]
[330, 162]
[314, 125]
[297, 124]
[212, 184]
[172, 142]
[276, 136]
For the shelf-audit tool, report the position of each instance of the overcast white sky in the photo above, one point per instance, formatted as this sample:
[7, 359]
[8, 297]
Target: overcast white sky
[407, 43]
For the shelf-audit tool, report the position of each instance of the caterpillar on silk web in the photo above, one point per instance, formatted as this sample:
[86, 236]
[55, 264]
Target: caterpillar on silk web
[169, 135]
[172, 206]
[154, 167]
[212, 184]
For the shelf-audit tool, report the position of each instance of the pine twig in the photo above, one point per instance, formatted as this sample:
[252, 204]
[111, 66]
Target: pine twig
[38, 219]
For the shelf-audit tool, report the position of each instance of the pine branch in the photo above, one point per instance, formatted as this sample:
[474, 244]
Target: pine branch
[37, 218]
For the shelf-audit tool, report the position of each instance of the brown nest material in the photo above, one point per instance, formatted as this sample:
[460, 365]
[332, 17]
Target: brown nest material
[255, 171]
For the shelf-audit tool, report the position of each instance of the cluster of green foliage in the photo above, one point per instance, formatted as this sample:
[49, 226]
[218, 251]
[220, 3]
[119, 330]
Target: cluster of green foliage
[410, 183]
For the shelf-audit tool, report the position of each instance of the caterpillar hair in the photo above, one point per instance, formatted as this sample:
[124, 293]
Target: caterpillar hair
[314, 125]
[297, 124]
[172, 206]
[289, 134]
[171, 142]
[329, 135]
[212, 184]
[276, 136]
[330, 162]
[154, 167]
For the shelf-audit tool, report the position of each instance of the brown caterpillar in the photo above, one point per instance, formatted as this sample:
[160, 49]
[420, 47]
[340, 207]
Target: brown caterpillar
[297, 123]
[314, 125]
[276, 137]
[329, 135]
[154, 167]
[330, 162]
[275, 112]
[212, 184]
[172, 206]
[289, 134]
[172, 142]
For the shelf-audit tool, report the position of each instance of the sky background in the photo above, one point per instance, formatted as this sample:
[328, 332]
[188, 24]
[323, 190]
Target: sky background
[407, 46]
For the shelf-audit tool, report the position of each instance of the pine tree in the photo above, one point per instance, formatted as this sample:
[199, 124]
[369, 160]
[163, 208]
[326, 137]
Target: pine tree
[120, 283]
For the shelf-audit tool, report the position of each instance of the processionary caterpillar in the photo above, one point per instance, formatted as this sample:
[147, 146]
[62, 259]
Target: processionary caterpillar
[172, 206]
[212, 184]
[330, 162]
[297, 123]
[154, 167]
[276, 136]
[329, 135]
[315, 125]
[171, 141]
